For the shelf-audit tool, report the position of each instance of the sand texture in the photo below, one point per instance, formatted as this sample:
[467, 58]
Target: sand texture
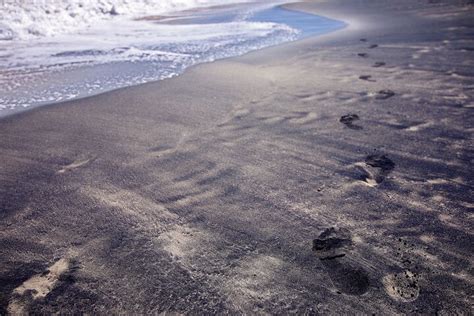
[332, 176]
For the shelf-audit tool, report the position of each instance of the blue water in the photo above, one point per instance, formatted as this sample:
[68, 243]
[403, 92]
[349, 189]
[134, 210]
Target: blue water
[307, 24]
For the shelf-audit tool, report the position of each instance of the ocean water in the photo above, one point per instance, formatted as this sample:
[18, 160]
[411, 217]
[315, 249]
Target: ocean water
[60, 64]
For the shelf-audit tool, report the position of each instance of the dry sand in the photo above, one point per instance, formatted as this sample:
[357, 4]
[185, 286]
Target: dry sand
[282, 181]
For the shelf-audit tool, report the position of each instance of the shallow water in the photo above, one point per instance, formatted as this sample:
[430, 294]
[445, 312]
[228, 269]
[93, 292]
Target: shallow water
[109, 55]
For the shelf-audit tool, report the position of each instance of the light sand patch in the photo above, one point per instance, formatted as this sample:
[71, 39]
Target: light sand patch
[253, 280]
[450, 221]
[369, 174]
[468, 205]
[357, 240]
[419, 127]
[76, 164]
[166, 150]
[456, 97]
[197, 198]
[428, 159]
[305, 96]
[459, 76]
[241, 112]
[456, 28]
[439, 181]
[464, 275]
[406, 46]
[433, 259]
[308, 117]
[145, 214]
[271, 119]
[370, 182]
[446, 15]
[38, 286]
[132, 203]
[238, 113]
[182, 242]
[438, 198]
[420, 205]
[469, 105]
[307, 209]
[24, 215]
[427, 238]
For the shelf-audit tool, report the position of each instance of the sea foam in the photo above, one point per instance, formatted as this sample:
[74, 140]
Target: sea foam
[114, 46]
[34, 18]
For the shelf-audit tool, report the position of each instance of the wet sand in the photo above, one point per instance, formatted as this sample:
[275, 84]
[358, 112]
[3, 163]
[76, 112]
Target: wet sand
[327, 176]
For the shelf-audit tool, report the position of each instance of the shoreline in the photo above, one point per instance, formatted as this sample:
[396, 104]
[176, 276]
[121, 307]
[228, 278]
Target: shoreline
[330, 175]
[19, 110]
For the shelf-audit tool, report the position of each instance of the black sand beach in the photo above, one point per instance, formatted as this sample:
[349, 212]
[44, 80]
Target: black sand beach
[327, 176]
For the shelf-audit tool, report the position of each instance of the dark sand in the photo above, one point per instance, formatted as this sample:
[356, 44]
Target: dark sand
[239, 188]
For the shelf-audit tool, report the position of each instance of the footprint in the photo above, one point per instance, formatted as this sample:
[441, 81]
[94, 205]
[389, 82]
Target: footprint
[384, 94]
[348, 278]
[373, 46]
[376, 168]
[403, 286]
[366, 78]
[380, 161]
[363, 55]
[329, 243]
[76, 164]
[363, 40]
[349, 119]
[39, 286]
[330, 247]
[378, 64]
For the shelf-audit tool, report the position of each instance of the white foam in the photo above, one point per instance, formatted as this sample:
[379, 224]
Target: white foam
[35, 18]
[46, 69]
[128, 40]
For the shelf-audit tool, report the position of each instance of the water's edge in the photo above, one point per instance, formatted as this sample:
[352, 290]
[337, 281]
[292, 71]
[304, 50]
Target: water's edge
[300, 15]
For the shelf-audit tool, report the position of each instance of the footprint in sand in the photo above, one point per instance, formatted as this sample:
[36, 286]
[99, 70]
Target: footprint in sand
[376, 168]
[363, 55]
[331, 247]
[384, 94]
[378, 64]
[402, 286]
[373, 46]
[76, 164]
[366, 78]
[349, 120]
[39, 286]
